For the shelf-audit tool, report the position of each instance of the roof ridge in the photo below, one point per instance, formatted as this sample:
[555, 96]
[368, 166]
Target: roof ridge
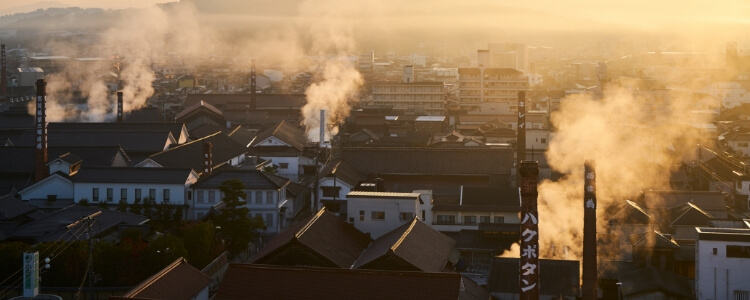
[403, 236]
[145, 284]
[309, 224]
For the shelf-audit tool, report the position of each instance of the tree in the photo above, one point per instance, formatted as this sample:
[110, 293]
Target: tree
[233, 218]
[83, 202]
[103, 205]
[201, 244]
[122, 205]
[136, 208]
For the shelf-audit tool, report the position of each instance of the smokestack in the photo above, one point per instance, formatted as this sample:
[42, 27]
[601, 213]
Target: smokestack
[119, 107]
[4, 70]
[590, 283]
[529, 263]
[207, 159]
[253, 85]
[521, 130]
[322, 128]
[40, 152]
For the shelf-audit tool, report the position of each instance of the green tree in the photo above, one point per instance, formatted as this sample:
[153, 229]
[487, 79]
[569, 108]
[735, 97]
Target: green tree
[122, 205]
[157, 259]
[83, 202]
[148, 207]
[233, 218]
[103, 205]
[201, 244]
[137, 207]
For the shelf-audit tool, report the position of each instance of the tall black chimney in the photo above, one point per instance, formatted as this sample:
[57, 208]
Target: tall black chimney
[119, 107]
[529, 263]
[40, 151]
[208, 160]
[590, 283]
[4, 71]
[253, 85]
[521, 130]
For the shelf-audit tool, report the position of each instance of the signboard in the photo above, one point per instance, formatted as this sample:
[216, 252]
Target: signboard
[31, 274]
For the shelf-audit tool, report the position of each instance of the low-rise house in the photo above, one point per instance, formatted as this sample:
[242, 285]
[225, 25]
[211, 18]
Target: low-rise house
[265, 195]
[252, 281]
[337, 179]
[322, 240]
[224, 150]
[476, 206]
[284, 145]
[377, 213]
[722, 263]
[177, 281]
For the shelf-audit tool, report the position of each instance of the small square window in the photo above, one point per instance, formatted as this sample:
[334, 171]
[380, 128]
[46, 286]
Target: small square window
[284, 165]
[378, 215]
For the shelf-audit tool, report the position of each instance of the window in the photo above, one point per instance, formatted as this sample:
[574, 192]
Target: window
[361, 215]
[738, 251]
[269, 220]
[211, 196]
[484, 219]
[190, 195]
[283, 165]
[446, 219]
[741, 295]
[152, 194]
[124, 194]
[406, 216]
[470, 220]
[95, 194]
[200, 197]
[378, 215]
[544, 140]
[744, 145]
[269, 197]
[499, 220]
[138, 194]
[258, 197]
[331, 191]
[166, 196]
[110, 194]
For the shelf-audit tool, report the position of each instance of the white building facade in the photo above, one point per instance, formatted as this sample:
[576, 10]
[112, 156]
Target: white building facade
[377, 213]
[722, 263]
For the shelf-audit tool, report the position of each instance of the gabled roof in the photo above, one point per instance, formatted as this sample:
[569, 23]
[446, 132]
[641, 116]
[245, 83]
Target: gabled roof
[178, 281]
[12, 207]
[653, 239]
[242, 135]
[190, 155]
[285, 132]
[263, 101]
[433, 161]
[363, 136]
[325, 234]
[133, 175]
[68, 158]
[414, 243]
[199, 106]
[632, 214]
[52, 227]
[243, 281]
[481, 199]
[101, 156]
[689, 215]
[343, 171]
[251, 179]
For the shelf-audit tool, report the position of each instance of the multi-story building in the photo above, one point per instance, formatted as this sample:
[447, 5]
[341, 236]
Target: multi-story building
[479, 85]
[722, 263]
[426, 97]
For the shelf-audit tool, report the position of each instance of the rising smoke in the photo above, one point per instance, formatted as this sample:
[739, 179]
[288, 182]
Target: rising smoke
[637, 142]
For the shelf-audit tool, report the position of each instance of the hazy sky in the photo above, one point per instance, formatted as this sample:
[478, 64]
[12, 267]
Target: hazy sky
[5, 4]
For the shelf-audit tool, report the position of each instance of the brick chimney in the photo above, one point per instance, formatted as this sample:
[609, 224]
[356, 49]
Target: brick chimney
[119, 107]
[589, 232]
[207, 159]
[529, 262]
[40, 151]
[253, 85]
[4, 71]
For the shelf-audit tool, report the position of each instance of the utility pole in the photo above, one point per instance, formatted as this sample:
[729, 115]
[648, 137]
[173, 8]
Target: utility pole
[89, 224]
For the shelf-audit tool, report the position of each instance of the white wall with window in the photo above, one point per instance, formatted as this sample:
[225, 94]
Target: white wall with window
[722, 263]
[378, 213]
[263, 203]
[112, 193]
[457, 220]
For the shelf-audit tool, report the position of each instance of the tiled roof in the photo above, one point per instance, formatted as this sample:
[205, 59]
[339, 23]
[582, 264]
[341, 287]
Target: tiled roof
[490, 196]
[251, 179]
[178, 281]
[190, 155]
[52, 227]
[327, 235]
[433, 161]
[242, 135]
[632, 214]
[12, 207]
[70, 158]
[689, 214]
[200, 105]
[415, 243]
[286, 132]
[132, 175]
[653, 239]
[382, 195]
[263, 101]
[342, 171]
[652, 281]
[174, 128]
[263, 282]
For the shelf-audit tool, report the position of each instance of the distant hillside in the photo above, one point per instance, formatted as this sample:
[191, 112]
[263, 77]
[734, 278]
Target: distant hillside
[68, 18]
[31, 7]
